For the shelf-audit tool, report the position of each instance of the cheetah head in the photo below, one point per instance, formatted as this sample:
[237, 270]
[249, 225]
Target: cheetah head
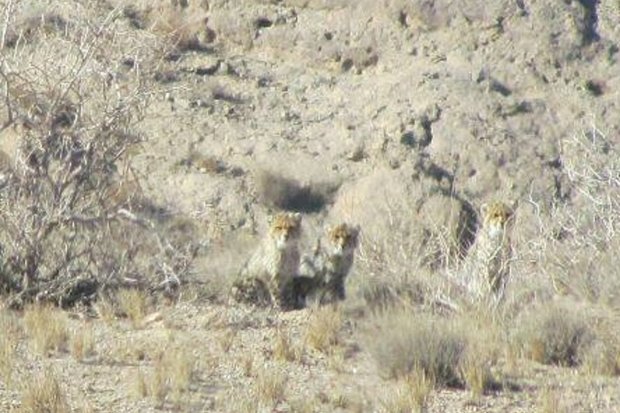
[342, 239]
[285, 228]
[495, 216]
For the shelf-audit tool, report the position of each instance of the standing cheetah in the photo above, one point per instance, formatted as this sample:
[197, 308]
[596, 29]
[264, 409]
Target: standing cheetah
[487, 263]
[322, 274]
[265, 277]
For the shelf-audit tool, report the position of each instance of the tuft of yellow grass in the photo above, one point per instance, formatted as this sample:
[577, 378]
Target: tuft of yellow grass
[172, 374]
[46, 326]
[82, 342]
[247, 363]
[43, 393]
[323, 328]
[9, 341]
[133, 303]
[283, 348]
[411, 394]
[550, 402]
[270, 385]
[227, 339]
[105, 310]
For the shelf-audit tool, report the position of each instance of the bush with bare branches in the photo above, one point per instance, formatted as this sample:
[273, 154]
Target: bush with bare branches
[73, 218]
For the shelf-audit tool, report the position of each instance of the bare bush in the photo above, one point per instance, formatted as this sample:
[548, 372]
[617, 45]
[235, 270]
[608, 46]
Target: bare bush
[73, 219]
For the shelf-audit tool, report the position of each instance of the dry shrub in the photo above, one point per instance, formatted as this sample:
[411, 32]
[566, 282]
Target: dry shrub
[46, 326]
[571, 248]
[284, 193]
[398, 264]
[270, 385]
[402, 343]
[67, 224]
[323, 328]
[557, 333]
[43, 393]
[409, 395]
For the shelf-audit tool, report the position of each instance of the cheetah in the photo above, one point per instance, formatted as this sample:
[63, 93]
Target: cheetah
[265, 278]
[487, 263]
[322, 273]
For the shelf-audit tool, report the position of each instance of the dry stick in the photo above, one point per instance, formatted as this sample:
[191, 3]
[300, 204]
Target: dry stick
[8, 11]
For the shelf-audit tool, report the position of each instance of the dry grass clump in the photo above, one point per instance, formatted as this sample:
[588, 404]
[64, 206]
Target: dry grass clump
[46, 326]
[402, 343]
[550, 401]
[43, 393]
[323, 328]
[173, 371]
[133, 303]
[270, 385]
[410, 394]
[82, 342]
[602, 357]
[9, 341]
[227, 339]
[283, 347]
[484, 345]
[555, 334]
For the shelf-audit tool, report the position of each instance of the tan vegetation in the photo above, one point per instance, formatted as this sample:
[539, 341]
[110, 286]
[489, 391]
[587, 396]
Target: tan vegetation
[46, 327]
[43, 392]
[144, 144]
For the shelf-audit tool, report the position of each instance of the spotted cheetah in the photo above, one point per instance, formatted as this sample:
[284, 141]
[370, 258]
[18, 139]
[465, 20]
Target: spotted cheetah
[265, 278]
[322, 273]
[487, 263]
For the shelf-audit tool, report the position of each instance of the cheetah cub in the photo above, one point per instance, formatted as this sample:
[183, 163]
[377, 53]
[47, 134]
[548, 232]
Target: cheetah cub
[266, 276]
[487, 263]
[322, 273]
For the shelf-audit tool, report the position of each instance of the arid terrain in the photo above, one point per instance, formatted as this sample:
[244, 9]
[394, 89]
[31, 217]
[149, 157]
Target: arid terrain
[145, 144]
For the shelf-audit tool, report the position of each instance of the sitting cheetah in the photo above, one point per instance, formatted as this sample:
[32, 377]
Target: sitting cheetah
[265, 277]
[322, 274]
[487, 263]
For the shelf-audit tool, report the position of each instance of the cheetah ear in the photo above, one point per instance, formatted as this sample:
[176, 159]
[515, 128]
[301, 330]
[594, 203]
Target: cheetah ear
[355, 231]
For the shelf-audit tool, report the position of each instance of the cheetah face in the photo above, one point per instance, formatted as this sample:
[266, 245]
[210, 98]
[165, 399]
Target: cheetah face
[342, 240]
[495, 217]
[285, 228]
